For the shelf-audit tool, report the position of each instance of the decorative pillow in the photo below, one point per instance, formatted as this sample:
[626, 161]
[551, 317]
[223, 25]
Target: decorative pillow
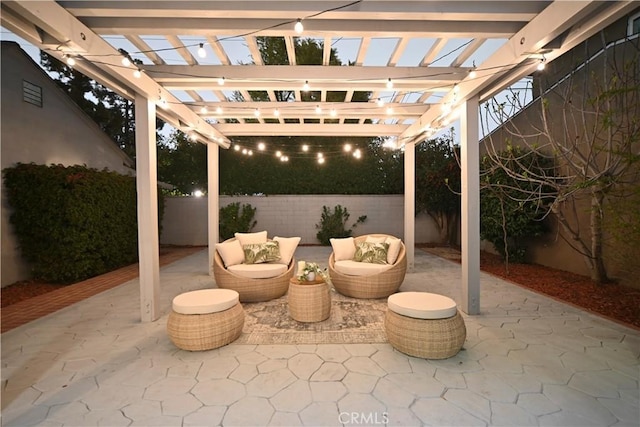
[288, 247]
[371, 239]
[375, 253]
[343, 249]
[231, 252]
[256, 253]
[394, 249]
[251, 238]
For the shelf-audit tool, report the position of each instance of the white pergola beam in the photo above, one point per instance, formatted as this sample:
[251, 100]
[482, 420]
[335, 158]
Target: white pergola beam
[309, 129]
[545, 27]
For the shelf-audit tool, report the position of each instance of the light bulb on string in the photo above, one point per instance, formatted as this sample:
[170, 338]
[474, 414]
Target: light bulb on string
[389, 83]
[221, 81]
[256, 112]
[219, 110]
[236, 147]
[204, 110]
[472, 72]
[321, 160]
[305, 147]
[347, 147]
[318, 109]
[201, 52]
[137, 73]
[305, 86]
[380, 102]
[298, 27]
[126, 62]
[541, 64]
[333, 112]
[261, 146]
[278, 153]
[276, 112]
[357, 154]
[70, 61]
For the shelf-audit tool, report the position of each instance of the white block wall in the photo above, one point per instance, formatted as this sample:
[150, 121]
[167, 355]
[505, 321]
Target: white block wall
[185, 218]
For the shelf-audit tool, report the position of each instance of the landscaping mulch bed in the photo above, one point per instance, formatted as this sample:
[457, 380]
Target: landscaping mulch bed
[613, 301]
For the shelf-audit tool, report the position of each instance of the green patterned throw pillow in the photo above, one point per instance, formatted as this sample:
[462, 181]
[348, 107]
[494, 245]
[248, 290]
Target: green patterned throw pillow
[257, 253]
[375, 253]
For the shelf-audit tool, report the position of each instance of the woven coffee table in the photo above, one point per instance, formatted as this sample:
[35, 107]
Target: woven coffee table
[309, 301]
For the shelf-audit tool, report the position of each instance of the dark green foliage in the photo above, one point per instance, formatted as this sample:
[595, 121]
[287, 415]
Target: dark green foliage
[379, 171]
[183, 163]
[512, 210]
[73, 222]
[333, 224]
[234, 218]
[438, 185]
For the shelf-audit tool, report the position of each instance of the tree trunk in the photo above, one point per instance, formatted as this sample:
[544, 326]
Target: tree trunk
[598, 270]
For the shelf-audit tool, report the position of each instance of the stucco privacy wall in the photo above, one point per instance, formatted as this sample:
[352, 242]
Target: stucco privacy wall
[59, 132]
[185, 218]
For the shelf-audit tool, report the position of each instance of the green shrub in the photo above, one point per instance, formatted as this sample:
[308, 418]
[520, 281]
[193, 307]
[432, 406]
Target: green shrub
[235, 218]
[333, 224]
[73, 222]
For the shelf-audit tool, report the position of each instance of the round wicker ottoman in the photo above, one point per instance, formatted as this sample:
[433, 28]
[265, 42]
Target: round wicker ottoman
[424, 325]
[205, 319]
[309, 301]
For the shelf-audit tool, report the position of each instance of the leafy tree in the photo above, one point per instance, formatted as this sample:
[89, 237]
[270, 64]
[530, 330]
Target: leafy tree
[509, 215]
[183, 163]
[333, 224]
[438, 185]
[589, 127]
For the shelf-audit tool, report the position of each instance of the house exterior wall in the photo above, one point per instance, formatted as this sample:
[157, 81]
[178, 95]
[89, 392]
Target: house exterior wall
[59, 132]
[553, 249]
[185, 218]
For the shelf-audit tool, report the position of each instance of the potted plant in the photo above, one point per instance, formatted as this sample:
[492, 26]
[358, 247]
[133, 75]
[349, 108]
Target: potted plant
[311, 272]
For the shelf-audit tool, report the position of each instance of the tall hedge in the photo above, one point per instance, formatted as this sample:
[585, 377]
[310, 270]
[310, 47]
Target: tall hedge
[73, 222]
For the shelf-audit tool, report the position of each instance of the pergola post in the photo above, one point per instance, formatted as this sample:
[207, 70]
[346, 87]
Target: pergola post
[410, 202]
[470, 184]
[147, 189]
[213, 200]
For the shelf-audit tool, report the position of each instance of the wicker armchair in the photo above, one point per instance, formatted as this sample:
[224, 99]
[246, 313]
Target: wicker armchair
[379, 285]
[252, 290]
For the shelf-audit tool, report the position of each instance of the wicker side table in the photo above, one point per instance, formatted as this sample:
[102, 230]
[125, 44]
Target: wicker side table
[309, 301]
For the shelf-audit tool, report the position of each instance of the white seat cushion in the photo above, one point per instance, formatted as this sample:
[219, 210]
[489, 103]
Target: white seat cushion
[251, 238]
[422, 305]
[343, 249]
[258, 271]
[231, 252]
[394, 249]
[288, 247]
[205, 301]
[354, 268]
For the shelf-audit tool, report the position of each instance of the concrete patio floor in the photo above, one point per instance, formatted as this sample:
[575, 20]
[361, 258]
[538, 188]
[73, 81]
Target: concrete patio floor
[527, 360]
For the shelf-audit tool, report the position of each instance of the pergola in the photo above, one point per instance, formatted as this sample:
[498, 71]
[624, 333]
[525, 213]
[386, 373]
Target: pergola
[194, 93]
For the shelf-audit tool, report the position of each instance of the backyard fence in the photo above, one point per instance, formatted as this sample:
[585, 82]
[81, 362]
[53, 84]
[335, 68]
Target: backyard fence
[185, 218]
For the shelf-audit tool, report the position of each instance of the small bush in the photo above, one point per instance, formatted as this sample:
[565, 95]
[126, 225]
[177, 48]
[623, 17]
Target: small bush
[73, 222]
[234, 218]
[333, 224]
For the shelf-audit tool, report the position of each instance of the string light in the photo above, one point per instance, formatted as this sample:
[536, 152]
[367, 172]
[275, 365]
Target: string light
[236, 147]
[320, 160]
[137, 73]
[318, 109]
[305, 86]
[276, 112]
[472, 72]
[357, 154]
[380, 102]
[261, 146]
[201, 52]
[204, 110]
[541, 64]
[256, 112]
[126, 62]
[221, 81]
[278, 153]
[219, 110]
[347, 147]
[70, 60]
[389, 83]
[333, 112]
[305, 147]
[389, 111]
[299, 28]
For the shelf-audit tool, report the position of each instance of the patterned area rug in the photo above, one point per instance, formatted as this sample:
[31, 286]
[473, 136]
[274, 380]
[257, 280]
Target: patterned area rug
[352, 321]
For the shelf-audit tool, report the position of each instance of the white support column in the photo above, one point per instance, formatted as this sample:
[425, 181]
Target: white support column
[213, 200]
[470, 231]
[410, 202]
[147, 189]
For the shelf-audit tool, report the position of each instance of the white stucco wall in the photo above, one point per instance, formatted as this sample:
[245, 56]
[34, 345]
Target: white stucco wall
[57, 133]
[185, 218]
